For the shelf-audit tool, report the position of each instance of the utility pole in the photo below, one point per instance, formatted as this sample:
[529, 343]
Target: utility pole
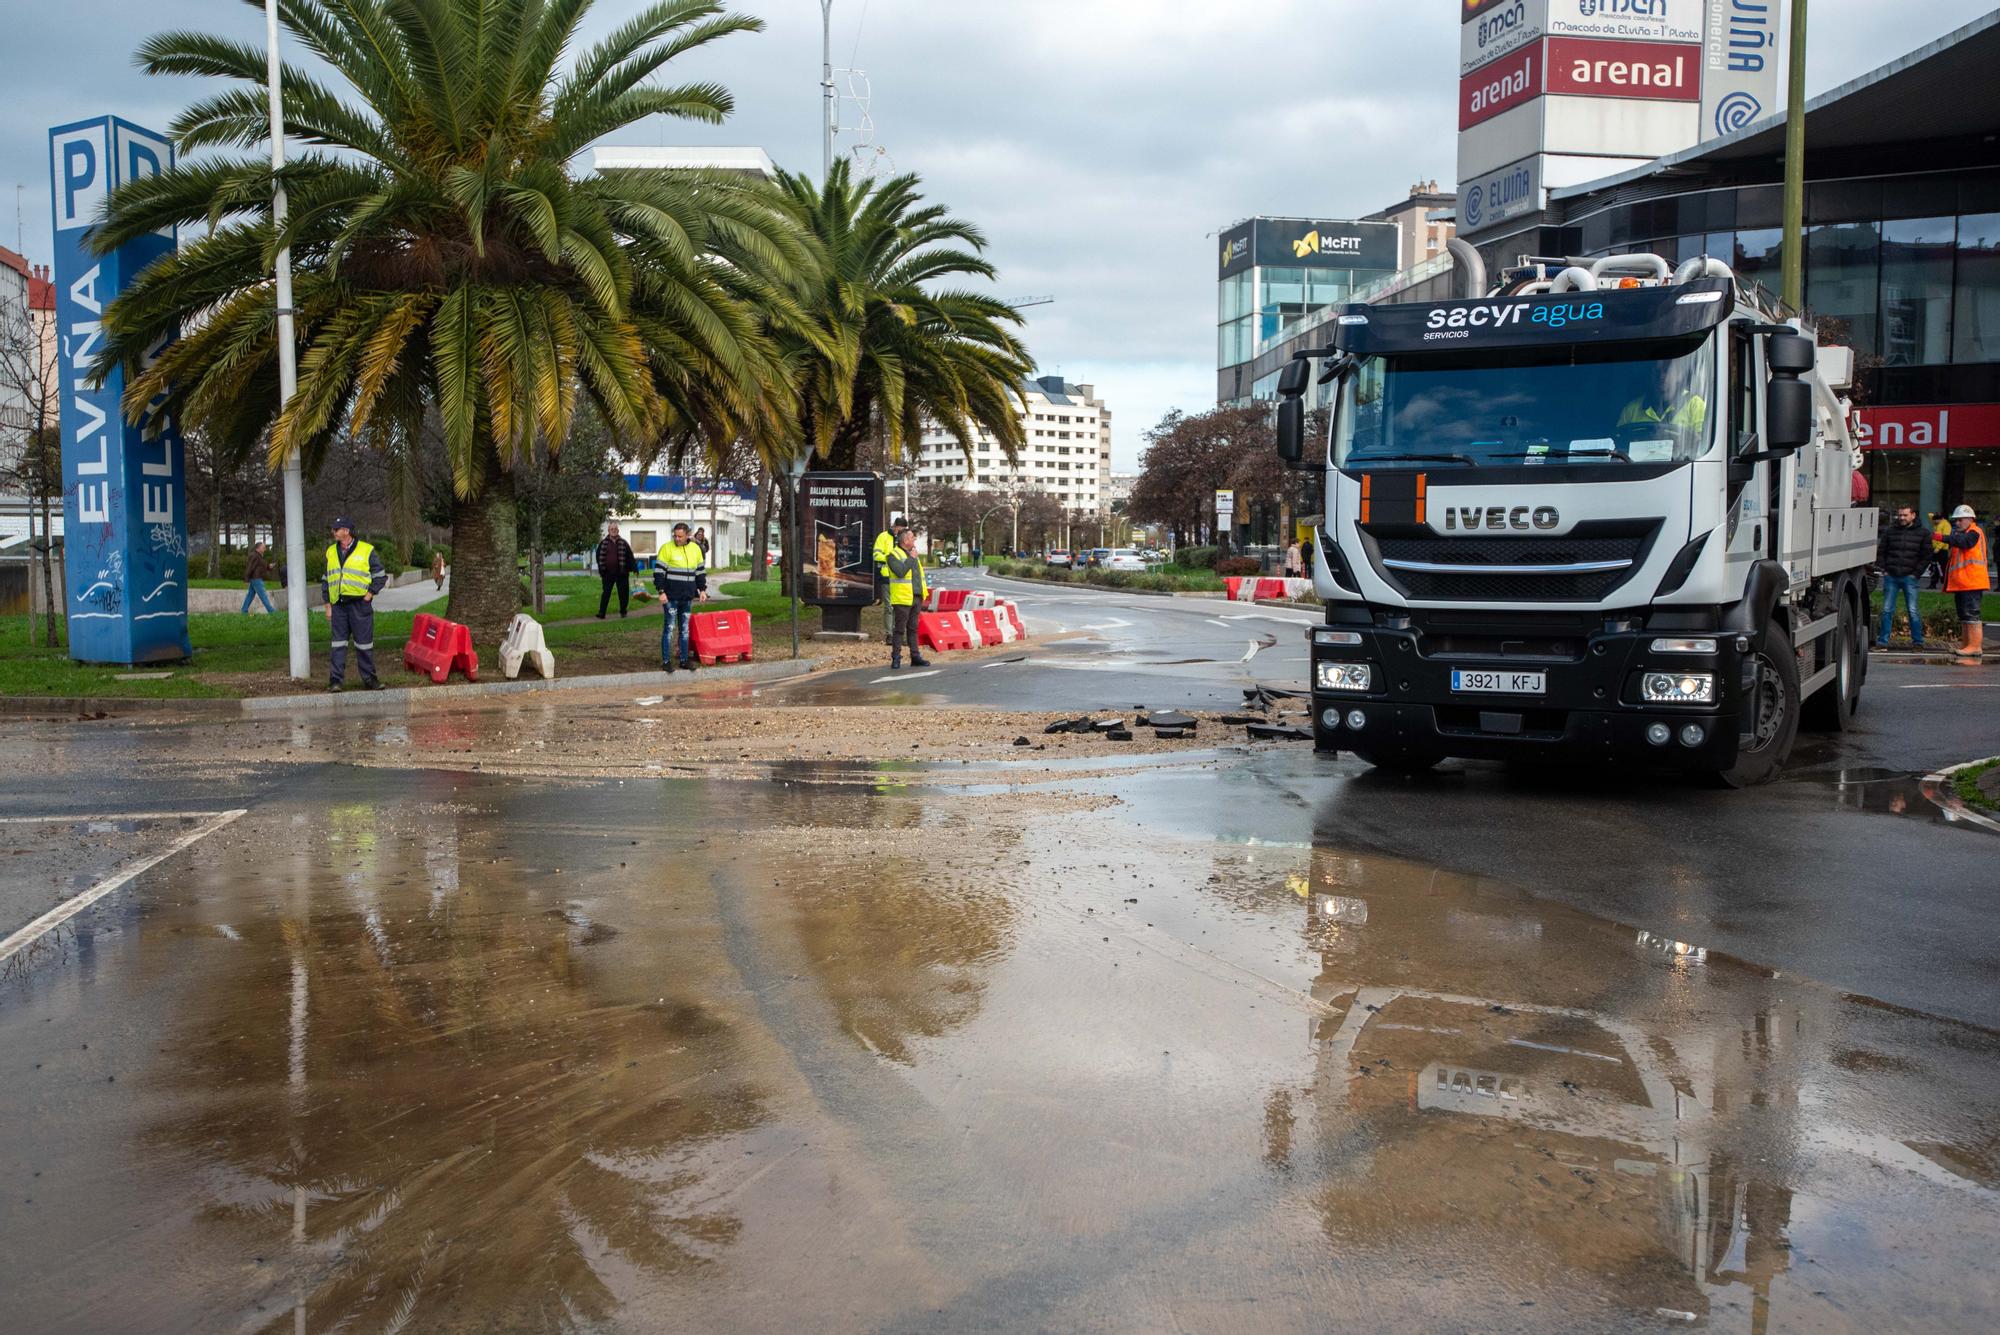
[1793, 294]
[826, 90]
[288, 378]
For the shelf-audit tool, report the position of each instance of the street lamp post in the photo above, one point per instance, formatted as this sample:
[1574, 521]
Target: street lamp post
[795, 470]
[826, 92]
[288, 378]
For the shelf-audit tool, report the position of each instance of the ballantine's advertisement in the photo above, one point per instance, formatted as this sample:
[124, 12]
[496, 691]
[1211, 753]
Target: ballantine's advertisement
[124, 486]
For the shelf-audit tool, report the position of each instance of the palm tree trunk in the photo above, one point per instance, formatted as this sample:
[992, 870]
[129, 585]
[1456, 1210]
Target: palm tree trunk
[485, 586]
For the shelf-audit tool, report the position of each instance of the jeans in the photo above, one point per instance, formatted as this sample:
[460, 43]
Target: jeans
[1905, 587]
[256, 591]
[678, 610]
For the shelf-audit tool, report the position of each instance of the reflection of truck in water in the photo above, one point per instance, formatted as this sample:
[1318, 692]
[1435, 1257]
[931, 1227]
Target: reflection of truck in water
[1602, 513]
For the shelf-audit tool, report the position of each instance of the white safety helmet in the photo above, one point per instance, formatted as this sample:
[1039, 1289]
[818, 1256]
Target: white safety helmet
[1964, 512]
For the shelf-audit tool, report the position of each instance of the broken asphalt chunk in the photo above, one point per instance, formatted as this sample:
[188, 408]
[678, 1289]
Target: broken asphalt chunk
[1108, 724]
[1069, 725]
[1173, 734]
[1020, 741]
[1278, 732]
[1118, 734]
[1169, 718]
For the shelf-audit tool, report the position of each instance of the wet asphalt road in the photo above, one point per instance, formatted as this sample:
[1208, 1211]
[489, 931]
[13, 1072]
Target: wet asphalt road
[1230, 1040]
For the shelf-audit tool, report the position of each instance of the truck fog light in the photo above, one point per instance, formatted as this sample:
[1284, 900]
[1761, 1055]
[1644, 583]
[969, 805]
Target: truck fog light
[1658, 734]
[1343, 676]
[1355, 718]
[1692, 735]
[1678, 688]
[1330, 717]
[1347, 637]
[1701, 645]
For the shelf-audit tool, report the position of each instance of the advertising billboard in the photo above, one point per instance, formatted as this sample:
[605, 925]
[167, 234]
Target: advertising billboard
[1314, 243]
[1739, 77]
[1500, 86]
[1632, 20]
[1599, 67]
[1468, 10]
[124, 486]
[839, 516]
[1501, 30]
[1235, 250]
[1501, 194]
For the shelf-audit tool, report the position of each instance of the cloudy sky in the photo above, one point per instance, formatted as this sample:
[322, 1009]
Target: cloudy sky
[1099, 143]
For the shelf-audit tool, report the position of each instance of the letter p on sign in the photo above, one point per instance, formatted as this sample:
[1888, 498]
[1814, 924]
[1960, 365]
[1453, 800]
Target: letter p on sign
[81, 176]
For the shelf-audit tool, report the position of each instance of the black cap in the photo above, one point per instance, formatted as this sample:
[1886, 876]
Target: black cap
[899, 522]
[344, 522]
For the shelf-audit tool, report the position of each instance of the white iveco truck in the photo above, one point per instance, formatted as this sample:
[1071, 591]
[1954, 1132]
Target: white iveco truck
[1602, 514]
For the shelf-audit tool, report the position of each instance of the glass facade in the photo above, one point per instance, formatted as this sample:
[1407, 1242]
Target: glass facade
[1905, 270]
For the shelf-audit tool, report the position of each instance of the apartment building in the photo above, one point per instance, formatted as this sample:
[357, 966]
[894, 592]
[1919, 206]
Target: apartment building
[1066, 451]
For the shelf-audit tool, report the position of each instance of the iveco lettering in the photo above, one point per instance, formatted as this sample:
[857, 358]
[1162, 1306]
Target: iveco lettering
[1603, 511]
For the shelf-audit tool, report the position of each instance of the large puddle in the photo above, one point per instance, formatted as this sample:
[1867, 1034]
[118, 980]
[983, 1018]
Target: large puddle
[429, 1052]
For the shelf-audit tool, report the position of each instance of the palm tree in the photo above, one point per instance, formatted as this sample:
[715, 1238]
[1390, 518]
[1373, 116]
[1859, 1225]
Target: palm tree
[448, 261]
[894, 350]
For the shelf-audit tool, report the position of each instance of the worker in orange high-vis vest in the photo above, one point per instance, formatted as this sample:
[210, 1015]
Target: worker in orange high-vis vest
[1966, 578]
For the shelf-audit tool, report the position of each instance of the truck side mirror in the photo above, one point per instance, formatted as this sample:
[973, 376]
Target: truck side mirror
[1292, 412]
[1788, 411]
[1789, 354]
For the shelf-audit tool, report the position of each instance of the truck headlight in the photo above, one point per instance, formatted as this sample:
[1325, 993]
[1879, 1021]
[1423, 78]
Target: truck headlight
[1678, 688]
[1343, 676]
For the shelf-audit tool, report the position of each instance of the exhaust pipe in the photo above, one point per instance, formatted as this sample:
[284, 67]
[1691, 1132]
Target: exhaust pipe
[1468, 274]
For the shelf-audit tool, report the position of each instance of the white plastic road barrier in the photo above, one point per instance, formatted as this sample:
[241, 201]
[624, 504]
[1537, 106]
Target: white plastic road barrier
[971, 624]
[1010, 616]
[1004, 618]
[524, 643]
[981, 598]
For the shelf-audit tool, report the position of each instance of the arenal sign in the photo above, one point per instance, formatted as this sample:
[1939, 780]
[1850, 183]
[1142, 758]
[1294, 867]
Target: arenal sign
[1927, 426]
[1500, 86]
[124, 486]
[1595, 67]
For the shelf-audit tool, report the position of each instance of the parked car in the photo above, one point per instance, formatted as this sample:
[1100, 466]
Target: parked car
[1124, 558]
[1061, 560]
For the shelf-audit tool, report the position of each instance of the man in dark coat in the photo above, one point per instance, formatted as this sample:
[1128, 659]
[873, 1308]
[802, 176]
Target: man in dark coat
[1902, 550]
[615, 564]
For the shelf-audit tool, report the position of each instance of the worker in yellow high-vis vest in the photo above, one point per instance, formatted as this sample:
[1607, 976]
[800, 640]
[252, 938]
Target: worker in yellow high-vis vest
[907, 588]
[887, 542]
[354, 575]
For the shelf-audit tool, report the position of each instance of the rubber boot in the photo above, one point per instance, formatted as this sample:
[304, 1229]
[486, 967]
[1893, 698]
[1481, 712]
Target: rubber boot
[1974, 648]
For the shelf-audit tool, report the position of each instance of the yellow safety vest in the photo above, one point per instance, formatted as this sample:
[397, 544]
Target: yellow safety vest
[1691, 412]
[908, 589]
[349, 578]
[885, 542]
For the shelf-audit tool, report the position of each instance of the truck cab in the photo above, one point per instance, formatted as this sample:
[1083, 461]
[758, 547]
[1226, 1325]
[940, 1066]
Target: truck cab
[1603, 513]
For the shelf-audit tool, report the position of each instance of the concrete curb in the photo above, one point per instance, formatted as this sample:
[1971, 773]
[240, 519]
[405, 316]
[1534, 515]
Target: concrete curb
[1940, 789]
[355, 703]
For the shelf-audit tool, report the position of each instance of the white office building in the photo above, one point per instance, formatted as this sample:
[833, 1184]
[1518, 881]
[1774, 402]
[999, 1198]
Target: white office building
[1065, 453]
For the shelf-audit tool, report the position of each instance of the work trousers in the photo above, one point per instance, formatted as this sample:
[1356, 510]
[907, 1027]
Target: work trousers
[622, 581]
[678, 611]
[905, 632]
[353, 624]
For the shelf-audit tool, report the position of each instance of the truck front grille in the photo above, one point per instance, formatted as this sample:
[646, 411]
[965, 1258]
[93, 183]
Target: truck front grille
[1585, 565]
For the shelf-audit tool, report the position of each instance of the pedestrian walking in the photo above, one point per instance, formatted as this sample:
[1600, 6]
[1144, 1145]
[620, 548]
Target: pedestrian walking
[255, 572]
[907, 590]
[887, 541]
[680, 572]
[1967, 580]
[354, 575]
[437, 569]
[701, 541]
[1294, 561]
[1902, 551]
[615, 564]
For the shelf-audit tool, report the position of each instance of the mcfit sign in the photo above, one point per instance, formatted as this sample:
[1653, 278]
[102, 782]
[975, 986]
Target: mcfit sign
[1307, 243]
[124, 496]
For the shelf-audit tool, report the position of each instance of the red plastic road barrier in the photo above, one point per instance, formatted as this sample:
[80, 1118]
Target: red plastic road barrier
[987, 622]
[1233, 583]
[721, 637]
[951, 600]
[436, 646]
[941, 631]
[1013, 615]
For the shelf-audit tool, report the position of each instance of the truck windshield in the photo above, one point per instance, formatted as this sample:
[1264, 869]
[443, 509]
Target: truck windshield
[1614, 404]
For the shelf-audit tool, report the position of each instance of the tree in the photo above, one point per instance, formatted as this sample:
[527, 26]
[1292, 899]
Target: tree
[30, 441]
[940, 508]
[564, 497]
[445, 257]
[1189, 458]
[892, 349]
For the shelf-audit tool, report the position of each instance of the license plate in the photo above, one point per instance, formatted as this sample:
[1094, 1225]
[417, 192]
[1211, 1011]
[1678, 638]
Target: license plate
[1480, 682]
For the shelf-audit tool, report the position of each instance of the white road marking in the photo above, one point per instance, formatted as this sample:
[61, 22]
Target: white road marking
[76, 904]
[1249, 653]
[1951, 686]
[905, 676]
[1217, 621]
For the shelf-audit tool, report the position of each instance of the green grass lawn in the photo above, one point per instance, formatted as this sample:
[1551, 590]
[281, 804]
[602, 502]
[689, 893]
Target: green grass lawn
[1937, 610]
[246, 655]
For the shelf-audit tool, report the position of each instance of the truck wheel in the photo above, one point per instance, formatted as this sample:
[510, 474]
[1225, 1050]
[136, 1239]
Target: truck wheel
[1833, 707]
[1767, 710]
